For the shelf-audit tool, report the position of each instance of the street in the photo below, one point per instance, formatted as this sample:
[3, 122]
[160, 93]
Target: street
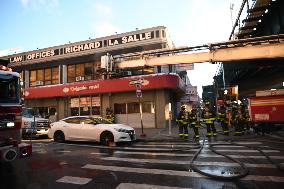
[153, 164]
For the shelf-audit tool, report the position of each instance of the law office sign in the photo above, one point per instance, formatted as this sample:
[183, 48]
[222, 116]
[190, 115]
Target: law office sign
[90, 45]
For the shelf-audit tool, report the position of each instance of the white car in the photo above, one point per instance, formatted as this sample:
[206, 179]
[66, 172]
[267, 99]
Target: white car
[87, 128]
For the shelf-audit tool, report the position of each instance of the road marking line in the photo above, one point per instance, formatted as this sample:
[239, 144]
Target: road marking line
[175, 173]
[164, 149]
[190, 155]
[180, 145]
[160, 161]
[98, 153]
[74, 180]
[62, 151]
[222, 142]
[144, 186]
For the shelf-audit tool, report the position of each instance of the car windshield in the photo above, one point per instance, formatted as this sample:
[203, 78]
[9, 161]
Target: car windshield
[10, 89]
[28, 112]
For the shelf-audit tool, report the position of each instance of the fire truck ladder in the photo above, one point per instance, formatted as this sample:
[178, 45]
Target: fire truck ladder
[243, 49]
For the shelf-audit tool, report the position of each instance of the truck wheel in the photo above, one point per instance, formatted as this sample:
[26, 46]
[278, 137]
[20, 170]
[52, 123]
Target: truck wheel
[59, 136]
[107, 138]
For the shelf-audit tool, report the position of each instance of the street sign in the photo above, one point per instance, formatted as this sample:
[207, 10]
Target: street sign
[138, 93]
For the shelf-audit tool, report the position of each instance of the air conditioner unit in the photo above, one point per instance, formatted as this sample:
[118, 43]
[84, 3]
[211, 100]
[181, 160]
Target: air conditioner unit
[78, 78]
[38, 83]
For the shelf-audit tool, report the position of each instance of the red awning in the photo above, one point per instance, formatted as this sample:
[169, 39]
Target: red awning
[148, 82]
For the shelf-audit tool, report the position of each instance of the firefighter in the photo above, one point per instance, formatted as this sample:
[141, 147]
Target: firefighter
[194, 122]
[109, 115]
[247, 121]
[237, 121]
[208, 117]
[244, 119]
[182, 121]
[222, 118]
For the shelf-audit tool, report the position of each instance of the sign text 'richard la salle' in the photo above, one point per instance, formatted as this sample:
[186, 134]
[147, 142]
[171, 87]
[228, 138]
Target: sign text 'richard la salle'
[82, 47]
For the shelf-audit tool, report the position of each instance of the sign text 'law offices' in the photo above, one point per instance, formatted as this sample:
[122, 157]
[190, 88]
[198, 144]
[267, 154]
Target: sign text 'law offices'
[82, 47]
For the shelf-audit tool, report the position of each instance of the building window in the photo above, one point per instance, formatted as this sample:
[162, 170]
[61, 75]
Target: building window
[88, 71]
[120, 108]
[45, 76]
[159, 69]
[85, 71]
[70, 73]
[55, 75]
[163, 33]
[32, 78]
[157, 33]
[79, 70]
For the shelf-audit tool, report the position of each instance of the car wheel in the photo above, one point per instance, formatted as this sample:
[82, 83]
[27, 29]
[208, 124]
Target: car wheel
[59, 136]
[107, 138]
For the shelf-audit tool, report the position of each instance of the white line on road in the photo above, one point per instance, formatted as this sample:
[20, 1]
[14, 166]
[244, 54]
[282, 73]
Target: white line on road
[175, 173]
[144, 186]
[172, 162]
[74, 180]
[189, 155]
[164, 149]
[185, 143]
[181, 145]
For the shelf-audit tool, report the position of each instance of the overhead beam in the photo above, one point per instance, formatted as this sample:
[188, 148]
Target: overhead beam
[253, 52]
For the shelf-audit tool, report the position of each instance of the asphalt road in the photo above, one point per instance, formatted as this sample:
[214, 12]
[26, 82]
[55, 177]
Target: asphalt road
[142, 165]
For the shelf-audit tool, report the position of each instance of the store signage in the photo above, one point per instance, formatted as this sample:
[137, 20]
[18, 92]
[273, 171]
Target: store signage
[140, 81]
[80, 88]
[81, 47]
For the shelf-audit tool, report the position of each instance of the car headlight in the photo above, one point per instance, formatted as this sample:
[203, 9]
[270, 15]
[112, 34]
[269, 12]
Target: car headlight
[121, 130]
[27, 123]
[10, 124]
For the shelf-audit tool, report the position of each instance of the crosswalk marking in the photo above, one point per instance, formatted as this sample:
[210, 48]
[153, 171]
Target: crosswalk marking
[182, 145]
[167, 149]
[175, 173]
[172, 162]
[206, 142]
[74, 180]
[144, 186]
[189, 155]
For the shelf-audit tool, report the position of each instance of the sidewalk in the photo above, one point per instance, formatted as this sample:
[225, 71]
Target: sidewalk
[157, 134]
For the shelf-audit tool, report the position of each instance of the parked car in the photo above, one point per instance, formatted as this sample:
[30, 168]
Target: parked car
[32, 124]
[87, 128]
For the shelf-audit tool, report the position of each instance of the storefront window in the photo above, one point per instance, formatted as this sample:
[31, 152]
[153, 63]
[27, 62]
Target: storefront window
[84, 106]
[133, 107]
[120, 108]
[148, 107]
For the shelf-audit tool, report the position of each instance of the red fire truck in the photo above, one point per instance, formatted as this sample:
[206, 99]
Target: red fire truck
[11, 147]
[267, 107]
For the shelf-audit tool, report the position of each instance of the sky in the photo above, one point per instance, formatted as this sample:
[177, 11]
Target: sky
[31, 24]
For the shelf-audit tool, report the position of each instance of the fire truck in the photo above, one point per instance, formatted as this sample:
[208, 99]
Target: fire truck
[11, 147]
[267, 107]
